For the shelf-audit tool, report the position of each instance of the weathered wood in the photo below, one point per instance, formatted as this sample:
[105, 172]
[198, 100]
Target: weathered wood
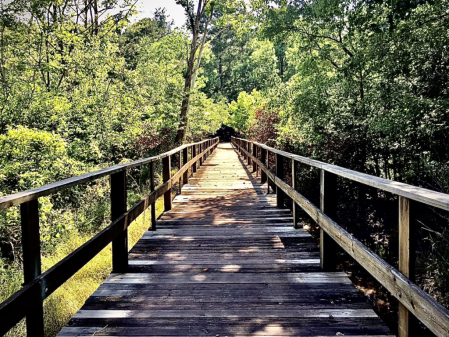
[406, 261]
[153, 203]
[179, 168]
[263, 159]
[166, 176]
[425, 308]
[295, 209]
[255, 155]
[118, 208]
[185, 159]
[193, 156]
[428, 197]
[21, 197]
[280, 196]
[328, 205]
[195, 277]
[28, 300]
[29, 215]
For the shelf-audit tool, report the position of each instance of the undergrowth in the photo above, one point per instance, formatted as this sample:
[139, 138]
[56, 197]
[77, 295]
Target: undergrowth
[69, 298]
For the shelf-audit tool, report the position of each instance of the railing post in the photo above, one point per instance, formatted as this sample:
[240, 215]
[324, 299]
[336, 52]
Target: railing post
[29, 216]
[185, 159]
[328, 205]
[179, 168]
[118, 208]
[166, 176]
[248, 148]
[263, 159]
[153, 204]
[280, 195]
[193, 156]
[201, 157]
[295, 207]
[406, 261]
[255, 155]
[268, 166]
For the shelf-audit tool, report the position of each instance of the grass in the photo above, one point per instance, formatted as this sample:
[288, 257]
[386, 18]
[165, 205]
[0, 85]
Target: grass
[69, 298]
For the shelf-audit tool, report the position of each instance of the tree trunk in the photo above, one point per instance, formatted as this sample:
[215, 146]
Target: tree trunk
[192, 69]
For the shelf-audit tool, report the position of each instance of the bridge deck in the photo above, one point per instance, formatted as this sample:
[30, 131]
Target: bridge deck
[226, 262]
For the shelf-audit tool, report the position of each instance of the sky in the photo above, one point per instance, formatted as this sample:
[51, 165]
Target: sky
[147, 7]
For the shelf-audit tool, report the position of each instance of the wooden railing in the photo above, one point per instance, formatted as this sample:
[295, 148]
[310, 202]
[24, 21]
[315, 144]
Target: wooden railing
[28, 301]
[399, 282]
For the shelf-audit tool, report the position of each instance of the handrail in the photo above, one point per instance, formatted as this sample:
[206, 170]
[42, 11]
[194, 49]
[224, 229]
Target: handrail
[28, 301]
[423, 195]
[21, 197]
[411, 298]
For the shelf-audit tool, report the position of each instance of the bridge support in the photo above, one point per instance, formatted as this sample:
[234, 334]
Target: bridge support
[295, 207]
[166, 175]
[280, 195]
[406, 262]
[153, 204]
[185, 159]
[263, 159]
[29, 215]
[255, 155]
[118, 208]
[328, 205]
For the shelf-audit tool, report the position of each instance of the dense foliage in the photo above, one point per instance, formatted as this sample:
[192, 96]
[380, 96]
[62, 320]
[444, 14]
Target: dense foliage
[362, 84]
[84, 87]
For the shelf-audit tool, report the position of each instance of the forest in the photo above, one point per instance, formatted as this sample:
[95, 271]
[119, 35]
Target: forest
[363, 84]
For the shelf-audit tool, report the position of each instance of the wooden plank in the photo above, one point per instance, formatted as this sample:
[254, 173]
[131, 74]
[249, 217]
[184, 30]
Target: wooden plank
[425, 308]
[225, 258]
[324, 313]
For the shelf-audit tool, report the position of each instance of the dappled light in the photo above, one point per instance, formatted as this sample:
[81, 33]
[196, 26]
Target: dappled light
[226, 261]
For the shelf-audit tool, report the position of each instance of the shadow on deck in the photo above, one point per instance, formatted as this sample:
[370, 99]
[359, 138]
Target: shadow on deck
[226, 262]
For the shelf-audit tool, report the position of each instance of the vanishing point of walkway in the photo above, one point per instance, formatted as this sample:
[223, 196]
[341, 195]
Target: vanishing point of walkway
[226, 262]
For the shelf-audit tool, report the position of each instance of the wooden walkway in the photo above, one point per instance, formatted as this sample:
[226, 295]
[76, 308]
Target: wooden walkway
[226, 262]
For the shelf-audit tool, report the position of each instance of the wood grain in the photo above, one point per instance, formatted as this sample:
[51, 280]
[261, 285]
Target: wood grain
[414, 299]
[224, 260]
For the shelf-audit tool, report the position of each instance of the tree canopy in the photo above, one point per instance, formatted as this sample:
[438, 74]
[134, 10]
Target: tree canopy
[361, 83]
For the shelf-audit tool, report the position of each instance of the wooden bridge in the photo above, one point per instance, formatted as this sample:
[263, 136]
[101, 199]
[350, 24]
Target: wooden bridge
[227, 259]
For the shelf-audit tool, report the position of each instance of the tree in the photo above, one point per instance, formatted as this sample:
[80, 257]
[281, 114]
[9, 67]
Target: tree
[198, 24]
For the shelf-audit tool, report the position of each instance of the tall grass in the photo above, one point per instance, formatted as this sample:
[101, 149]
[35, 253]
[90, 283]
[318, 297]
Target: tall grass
[69, 298]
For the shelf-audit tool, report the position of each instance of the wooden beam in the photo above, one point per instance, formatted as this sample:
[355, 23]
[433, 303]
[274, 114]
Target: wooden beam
[21, 197]
[166, 176]
[296, 208]
[419, 303]
[185, 159]
[328, 205]
[153, 203]
[423, 195]
[119, 208]
[255, 155]
[29, 216]
[193, 156]
[263, 159]
[280, 196]
[406, 261]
